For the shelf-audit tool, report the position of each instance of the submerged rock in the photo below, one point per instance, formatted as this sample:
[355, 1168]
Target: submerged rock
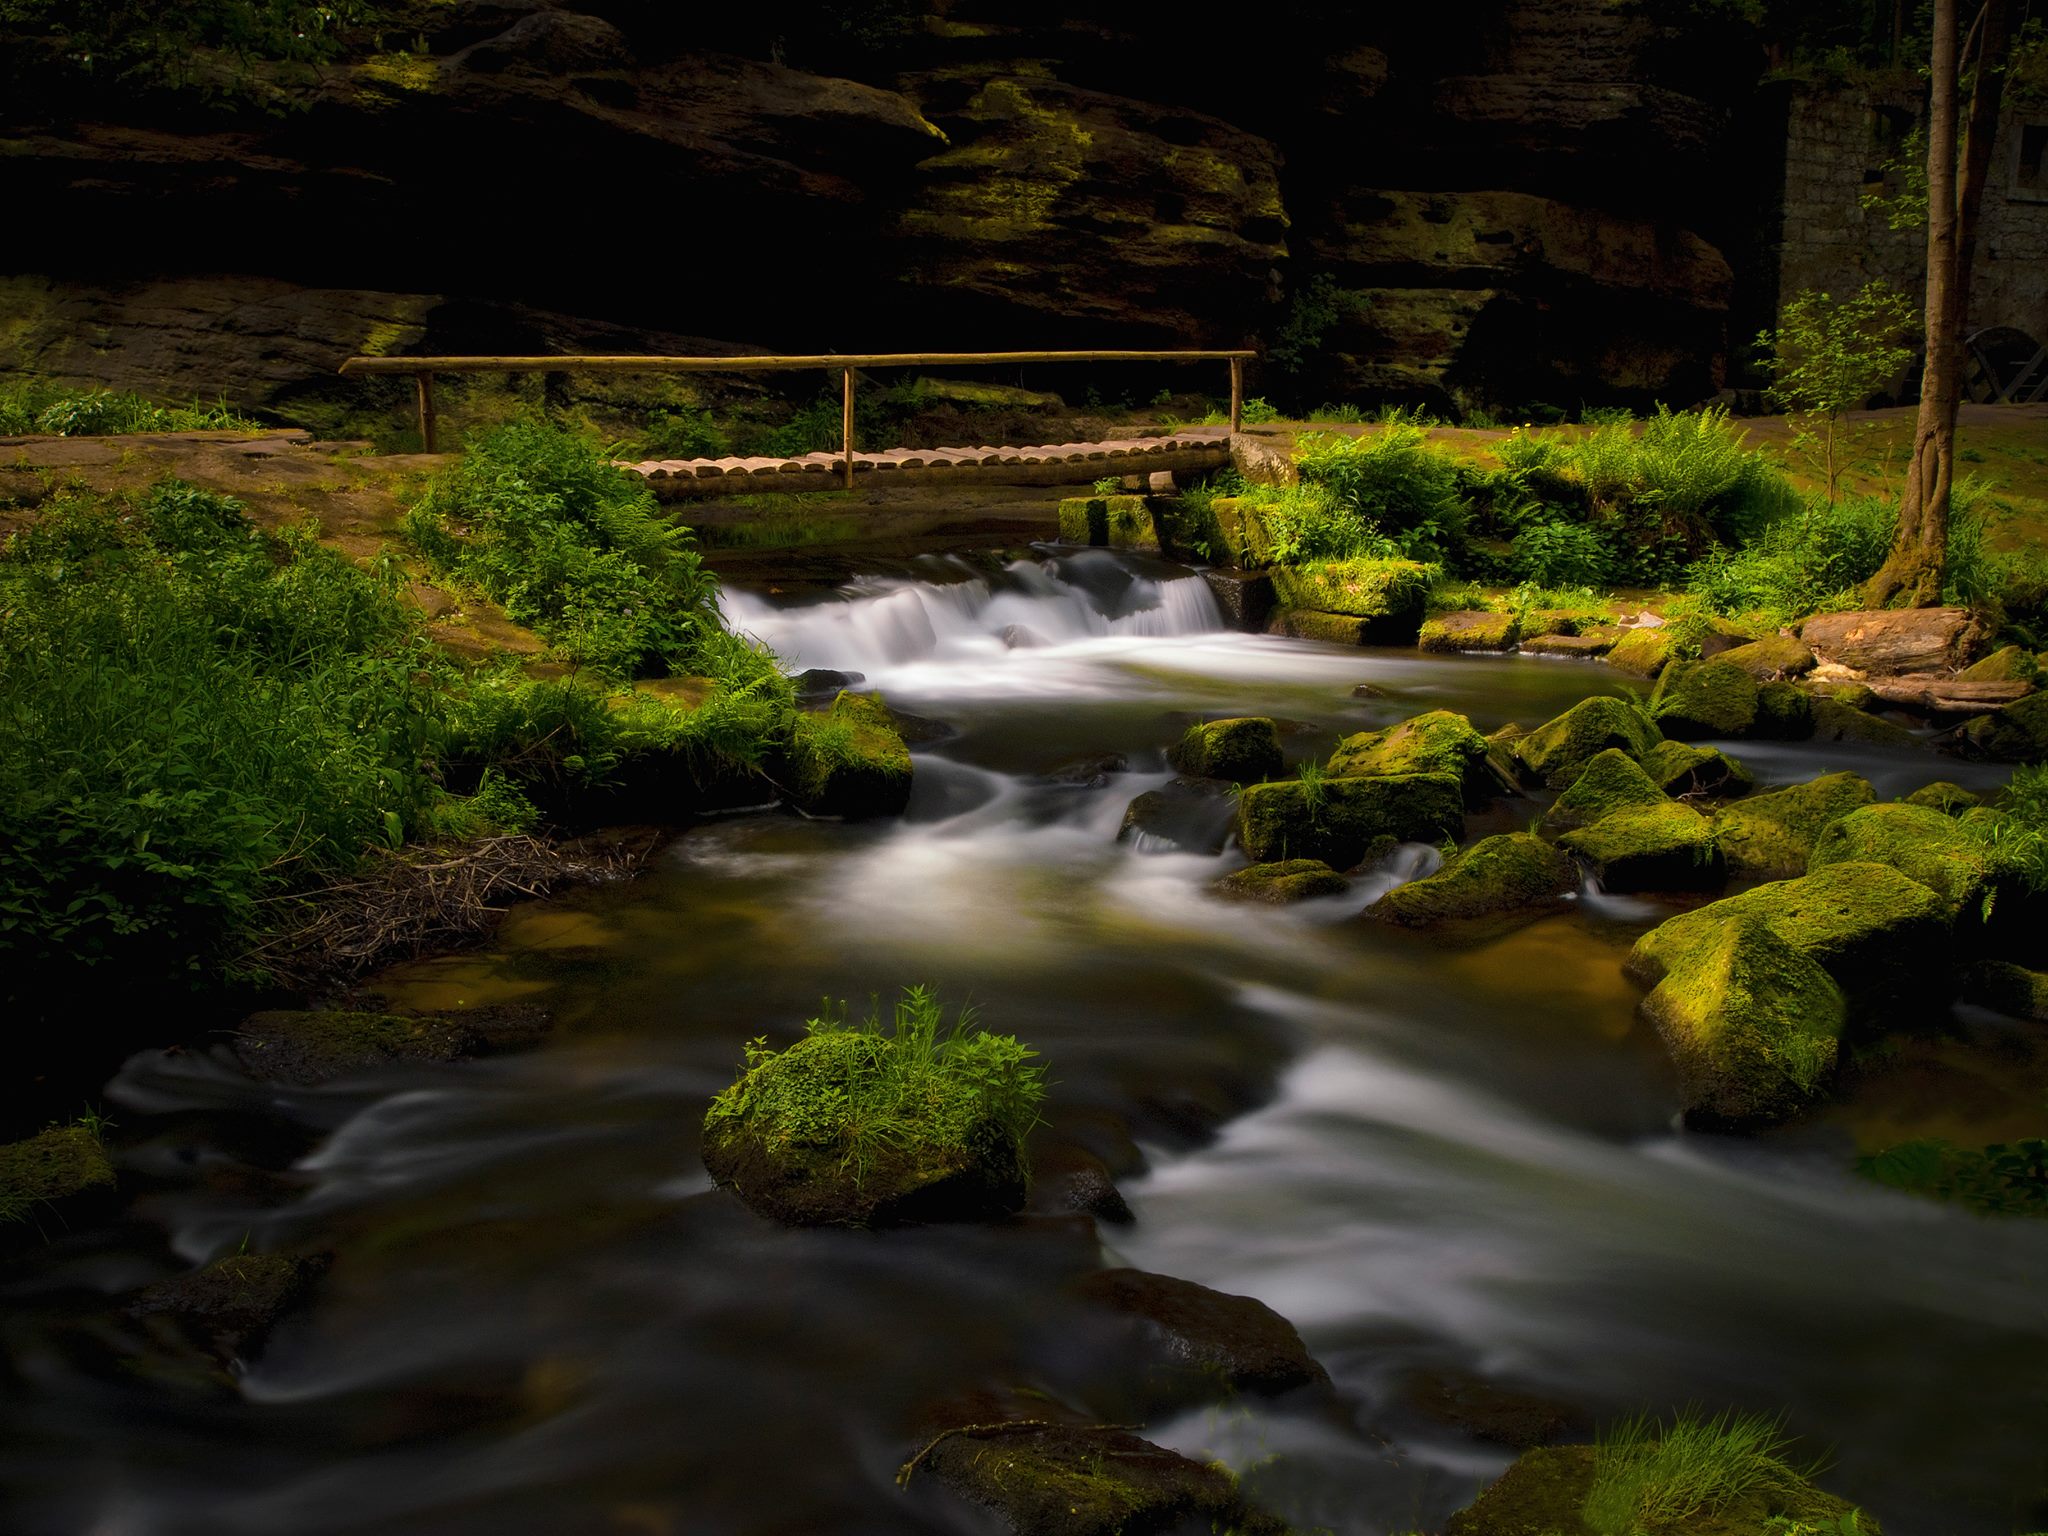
[1232, 1343]
[1473, 630]
[1508, 873]
[307, 1048]
[1242, 751]
[1338, 820]
[1784, 712]
[229, 1306]
[1183, 815]
[1704, 699]
[850, 760]
[1667, 847]
[1287, 881]
[1441, 741]
[1557, 751]
[1612, 781]
[1679, 768]
[49, 1181]
[1771, 836]
[821, 683]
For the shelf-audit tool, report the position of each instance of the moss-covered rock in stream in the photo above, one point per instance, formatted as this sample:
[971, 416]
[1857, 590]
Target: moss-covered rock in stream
[1772, 659]
[228, 1307]
[1612, 781]
[849, 760]
[1882, 937]
[857, 1126]
[1510, 873]
[1214, 1343]
[1441, 741]
[1699, 699]
[1920, 843]
[1667, 847]
[1544, 1494]
[2008, 664]
[1339, 820]
[1327, 628]
[1950, 799]
[1387, 594]
[2016, 734]
[50, 1181]
[1241, 751]
[1120, 522]
[1556, 752]
[1641, 652]
[1471, 630]
[1784, 712]
[1183, 815]
[1679, 768]
[1771, 836]
[309, 1047]
[1289, 880]
[1833, 720]
[2007, 988]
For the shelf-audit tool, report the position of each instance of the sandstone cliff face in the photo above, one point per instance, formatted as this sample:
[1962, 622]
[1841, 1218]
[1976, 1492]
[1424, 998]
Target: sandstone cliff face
[1513, 195]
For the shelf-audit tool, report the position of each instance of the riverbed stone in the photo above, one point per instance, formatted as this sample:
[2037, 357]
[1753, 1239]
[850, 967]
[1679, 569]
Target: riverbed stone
[1918, 841]
[1882, 937]
[2016, 734]
[49, 1181]
[1220, 1341]
[1703, 699]
[1509, 873]
[308, 1047]
[1386, 594]
[1184, 815]
[1611, 782]
[1470, 630]
[1557, 752]
[1329, 628]
[1241, 751]
[1490, 1410]
[1440, 741]
[1770, 836]
[1772, 659]
[1667, 847]
[1339, 820]
[228, 1307]
[1590, 645]
[2008, 988]
[1680, 768]
[1289, 880]
[1836, 721]
[1640, 652]
[1949, 798]
[1245, 598]
[1784, 712]
[850, 760]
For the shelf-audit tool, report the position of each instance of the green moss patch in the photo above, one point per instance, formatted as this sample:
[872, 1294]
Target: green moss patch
[1388, 594]
[1475, 630]
[1508, 873]
[850, 760]
[64, 1164]
[1667, 847]
[1784, 712]
[1330, 628]
[1773, 658]
[1641, 652]
[1339, 820]
[1704, 699]
[1441, 741]
[2009, 664]
[1612, 781]
[1835, 721]
[1120, 522]
[1679, 768]
[1919, 842]
[1941, 795]
[1558, 751]
[1244, 751]
[1277, 884]
[1771, 836]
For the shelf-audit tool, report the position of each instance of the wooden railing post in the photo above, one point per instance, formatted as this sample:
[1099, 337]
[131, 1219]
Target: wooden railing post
[1237, 394]
[423, 388]
[846, 421]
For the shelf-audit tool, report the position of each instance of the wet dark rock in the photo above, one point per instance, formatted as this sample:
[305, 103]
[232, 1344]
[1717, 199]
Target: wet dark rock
[1510, 873]
[1231, 1343]
[1290, 880]
[1246, 597]
[2008, 989]
[1488, 1411]
[2016, 734]
[1185, 815]
[1065, 1177]
[823, 683]
[227, 1308]
[1370, 691]
[920, 730]
[50, 1182]
[1244, 751]
[1339, 820]
[307, 1048]
[1088, 772]
[1020, 637]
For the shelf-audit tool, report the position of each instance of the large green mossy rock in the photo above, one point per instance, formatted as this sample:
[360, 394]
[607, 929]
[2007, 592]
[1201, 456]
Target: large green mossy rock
[1329, 628]
[1948, 798]
[1506, 874]
[1234, 531]
[1387, 594]
[1613, 781]
[782, 1140]
[1784, 712]
[1833, 720]
[1641, 652]
[1772, 658]
[2008, 988]
[849, 760]
[1679, 768]
[1884, 938]
[2010, 664]
[1441, 741]
[1701, 699]
[1339, 820]
[1544, 1493]
[1278, 884]
[1120, 522]
[2016, 734]
[1771, 836]
[49, 1181]
[1472, 630]
[1920, 843]
[1556, 752]
[1662, 847]
[1243, 751]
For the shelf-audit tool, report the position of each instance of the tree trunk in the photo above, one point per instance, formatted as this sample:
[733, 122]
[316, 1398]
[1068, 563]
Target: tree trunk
[1919, 555]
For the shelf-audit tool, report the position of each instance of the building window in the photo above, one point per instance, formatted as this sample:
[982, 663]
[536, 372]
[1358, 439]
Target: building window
[2030, 165]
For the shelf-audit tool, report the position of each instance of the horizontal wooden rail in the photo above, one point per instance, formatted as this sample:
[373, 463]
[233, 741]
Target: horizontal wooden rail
[423, 370]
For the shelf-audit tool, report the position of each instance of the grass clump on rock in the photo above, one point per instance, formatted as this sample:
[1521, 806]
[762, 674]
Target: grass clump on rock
[850, 760]
[863, 1124]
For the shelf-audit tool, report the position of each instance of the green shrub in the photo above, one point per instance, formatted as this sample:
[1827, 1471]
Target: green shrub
[1559, 554]
[1393, 481]
[1306, 522]
[538, 520]
[682, 433]
[2003, 1179]
[1652, 1477]
[55, 411]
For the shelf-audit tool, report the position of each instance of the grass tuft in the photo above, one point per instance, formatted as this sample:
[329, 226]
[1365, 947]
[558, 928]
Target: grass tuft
[1651, 1477]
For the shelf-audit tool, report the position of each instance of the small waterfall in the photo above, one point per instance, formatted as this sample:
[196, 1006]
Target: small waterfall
[876, 623]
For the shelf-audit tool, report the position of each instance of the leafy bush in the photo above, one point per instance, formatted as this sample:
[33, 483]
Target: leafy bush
[682, 433]
[1559, 554]
[58, 412]
[2003, 1179]
[1393, 481]
[1829, 358]
[536, 519]
[1652, 1477]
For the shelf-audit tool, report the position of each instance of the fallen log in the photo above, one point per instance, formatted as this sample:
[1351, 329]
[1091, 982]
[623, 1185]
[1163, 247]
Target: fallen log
[1938, 694]
[1890, 642]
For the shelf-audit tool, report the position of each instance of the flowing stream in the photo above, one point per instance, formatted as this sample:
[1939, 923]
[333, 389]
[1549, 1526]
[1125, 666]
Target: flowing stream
[1440, 1162]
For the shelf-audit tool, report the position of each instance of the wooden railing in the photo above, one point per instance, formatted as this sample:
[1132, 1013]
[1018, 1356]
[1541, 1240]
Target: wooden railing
[423, 370]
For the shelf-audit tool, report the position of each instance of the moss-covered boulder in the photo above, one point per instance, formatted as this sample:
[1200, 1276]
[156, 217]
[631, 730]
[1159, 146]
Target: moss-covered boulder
[1679, 768]
[1556, 752]
[1278, 884]
[860, 1125]
[1919, 842]
[1511, 873]
[1641, 652]
[1472, 630]
[1667, 847]
[1696, 699]
[1440, 741]
[1339, 820]
[1121, 522]
[2007, 988]
[309, 1047]
[1784, 712]
[2010, 664]
[1233, 531]
[49, 1181]
[1590, 645]
[1950, 799]
[1772, 658]
[1884, 938]
[1771, 836]
[1613, 781]
[1328, 628]
[1836, 721]
[1387, 594]
[849, 760]
[1544, 1494]
[226, 1308]
[1241, 751]
[2016, 734]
